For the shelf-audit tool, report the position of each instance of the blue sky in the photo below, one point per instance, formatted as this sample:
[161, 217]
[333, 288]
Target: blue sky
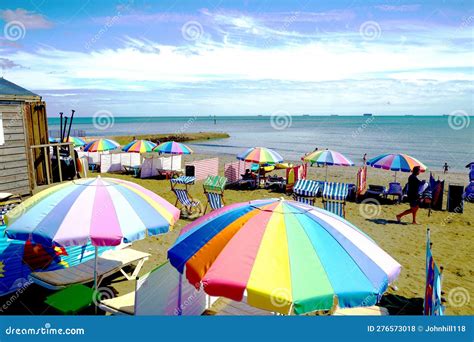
[134, 57]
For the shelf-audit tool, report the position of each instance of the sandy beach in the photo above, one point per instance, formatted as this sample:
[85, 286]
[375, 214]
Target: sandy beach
[451, 235]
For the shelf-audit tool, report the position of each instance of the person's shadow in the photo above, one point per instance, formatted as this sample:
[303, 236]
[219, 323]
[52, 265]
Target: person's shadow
[385, 222]
[399, 305]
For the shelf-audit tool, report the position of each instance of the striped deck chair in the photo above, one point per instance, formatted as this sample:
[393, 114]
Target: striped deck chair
[214, 190]
[183, 197]
[334, 197]
[305, 191]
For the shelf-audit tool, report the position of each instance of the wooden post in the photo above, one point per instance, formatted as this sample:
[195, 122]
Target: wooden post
[59, 163]
[47, 165]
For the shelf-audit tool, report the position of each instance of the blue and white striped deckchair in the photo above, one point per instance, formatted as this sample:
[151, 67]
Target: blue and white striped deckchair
[214, 190]
[305, 191]
[183, 196]
[334, 197]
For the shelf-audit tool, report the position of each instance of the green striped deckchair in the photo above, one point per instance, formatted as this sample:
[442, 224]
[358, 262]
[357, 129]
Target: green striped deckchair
[214, 190]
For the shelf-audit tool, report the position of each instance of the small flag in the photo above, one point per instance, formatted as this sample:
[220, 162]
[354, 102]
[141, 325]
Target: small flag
[432, 305]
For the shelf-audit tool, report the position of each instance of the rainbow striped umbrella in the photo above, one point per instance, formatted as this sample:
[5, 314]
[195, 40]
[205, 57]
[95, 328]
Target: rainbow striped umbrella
[283, 256]
[76, 141]
[260, 155]
[101, 145]
[102, 211]
[396, 162]
[327, 157]
[173, 147]
[139, 146]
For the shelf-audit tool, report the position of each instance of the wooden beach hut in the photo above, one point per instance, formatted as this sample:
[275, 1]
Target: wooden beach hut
[23, 125]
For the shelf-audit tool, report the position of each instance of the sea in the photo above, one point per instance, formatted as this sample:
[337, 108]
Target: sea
[433, 140]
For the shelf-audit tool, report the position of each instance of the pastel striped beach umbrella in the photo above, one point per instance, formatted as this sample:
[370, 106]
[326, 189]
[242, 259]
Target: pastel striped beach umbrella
[139, 146]
[283, 256]
[327, 157]
[396, 162]
[260, 155]
[173, 147]
[102, 211]
[76, 141]
[101, 145]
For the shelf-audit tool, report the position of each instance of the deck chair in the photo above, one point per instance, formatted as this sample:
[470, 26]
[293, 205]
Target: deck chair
[161, 292]
[375, 190]
[191, 206]
[395, 190]
[214, 190]
[108, 263]
[334, 197]
[8, 201]
[305, 191]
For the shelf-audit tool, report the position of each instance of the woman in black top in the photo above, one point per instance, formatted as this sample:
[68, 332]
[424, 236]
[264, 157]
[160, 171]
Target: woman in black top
[413, 186]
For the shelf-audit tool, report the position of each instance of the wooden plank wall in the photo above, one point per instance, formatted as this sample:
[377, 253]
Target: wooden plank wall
[14, 169]
[37, 132]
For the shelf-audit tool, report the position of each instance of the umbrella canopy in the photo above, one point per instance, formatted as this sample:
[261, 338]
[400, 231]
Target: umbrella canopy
[101, 145]
[173, 147]
[53, 140]
[139, 146]
[284, 256]
[396, 162]
[327, 157]
[76, 141]
[260, 155]
[104, 211]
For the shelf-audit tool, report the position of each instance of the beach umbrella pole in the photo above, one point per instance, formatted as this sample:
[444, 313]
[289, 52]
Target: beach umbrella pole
[326, 178]
[96, 295]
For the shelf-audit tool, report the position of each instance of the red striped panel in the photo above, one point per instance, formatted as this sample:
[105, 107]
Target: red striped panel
[205, 167]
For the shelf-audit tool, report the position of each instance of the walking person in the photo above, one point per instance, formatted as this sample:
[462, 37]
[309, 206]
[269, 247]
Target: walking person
[445, 168]
[413, 199]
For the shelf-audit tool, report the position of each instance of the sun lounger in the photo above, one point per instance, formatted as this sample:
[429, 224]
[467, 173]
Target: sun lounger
[363, 311]
[121, 305]
[108, 263]
[228, 307]
[8, 201]
[305, 191]
[375, 190]
[334, 197]
[395, 190]
[275, 183]
[160, 292]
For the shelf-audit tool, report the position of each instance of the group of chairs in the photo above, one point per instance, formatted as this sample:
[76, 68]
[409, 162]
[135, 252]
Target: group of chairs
[334, 195]
[394, 189]
[213, 186]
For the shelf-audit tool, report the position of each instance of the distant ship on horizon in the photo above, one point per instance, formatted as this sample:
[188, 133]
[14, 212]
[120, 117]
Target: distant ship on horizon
[367, 114]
